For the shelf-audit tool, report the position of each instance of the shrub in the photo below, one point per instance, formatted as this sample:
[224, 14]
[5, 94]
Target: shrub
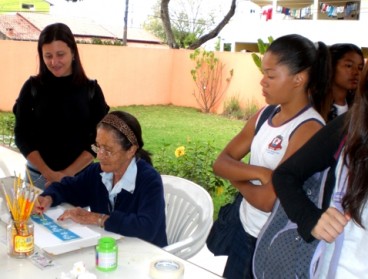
[232, 108]
[208, 77]
[96, 41]
[250, 109]
[193, 161]
[7, 122]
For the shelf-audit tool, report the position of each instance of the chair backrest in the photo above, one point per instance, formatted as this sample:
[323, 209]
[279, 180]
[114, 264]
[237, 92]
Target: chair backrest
[189, 216]
[4, 171]
[11, 162]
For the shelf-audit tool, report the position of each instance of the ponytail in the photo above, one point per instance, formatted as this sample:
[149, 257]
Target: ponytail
[320, 81]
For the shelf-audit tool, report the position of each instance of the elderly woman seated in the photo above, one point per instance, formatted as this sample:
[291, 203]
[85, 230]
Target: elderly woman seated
[123, 190]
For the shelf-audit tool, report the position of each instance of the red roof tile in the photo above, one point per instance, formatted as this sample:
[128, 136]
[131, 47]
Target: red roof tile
[27, 26]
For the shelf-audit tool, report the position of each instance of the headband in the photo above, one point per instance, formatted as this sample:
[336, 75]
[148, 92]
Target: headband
[121, 126]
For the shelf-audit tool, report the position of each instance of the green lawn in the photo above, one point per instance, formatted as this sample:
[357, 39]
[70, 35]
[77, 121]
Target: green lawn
[175, 125]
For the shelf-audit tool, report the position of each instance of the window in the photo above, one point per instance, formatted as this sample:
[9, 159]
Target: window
[28, 6]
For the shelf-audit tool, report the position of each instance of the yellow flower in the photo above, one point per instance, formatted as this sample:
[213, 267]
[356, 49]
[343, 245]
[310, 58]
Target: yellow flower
[219, 190]
[180, 151]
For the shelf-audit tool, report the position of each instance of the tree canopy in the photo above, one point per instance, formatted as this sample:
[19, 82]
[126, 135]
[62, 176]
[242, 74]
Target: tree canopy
[183, 26]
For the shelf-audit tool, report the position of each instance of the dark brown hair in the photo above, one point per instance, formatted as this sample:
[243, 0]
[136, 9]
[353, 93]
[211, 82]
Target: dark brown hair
[337, 52]
[299, 53]
[356, 152]
[61, 32]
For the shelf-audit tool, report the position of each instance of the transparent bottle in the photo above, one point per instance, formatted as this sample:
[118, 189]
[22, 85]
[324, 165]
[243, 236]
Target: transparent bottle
[20, 238]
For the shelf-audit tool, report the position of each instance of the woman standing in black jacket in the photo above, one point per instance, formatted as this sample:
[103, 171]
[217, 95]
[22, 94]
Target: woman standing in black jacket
[57, 110]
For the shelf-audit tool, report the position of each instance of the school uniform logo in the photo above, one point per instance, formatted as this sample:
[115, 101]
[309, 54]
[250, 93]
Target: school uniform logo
[276, 143]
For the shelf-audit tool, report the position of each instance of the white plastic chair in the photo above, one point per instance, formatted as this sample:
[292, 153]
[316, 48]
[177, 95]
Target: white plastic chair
[4, 171]
[189, 216]
[11, 162]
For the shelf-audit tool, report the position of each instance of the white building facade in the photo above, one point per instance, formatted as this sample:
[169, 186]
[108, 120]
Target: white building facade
[327, 21]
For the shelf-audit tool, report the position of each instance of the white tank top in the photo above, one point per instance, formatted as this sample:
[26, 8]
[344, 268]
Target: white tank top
[341, 109]
[267, 149]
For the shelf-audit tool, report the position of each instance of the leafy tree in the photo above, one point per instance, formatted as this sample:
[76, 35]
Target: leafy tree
[185, 28]
[187, 23]
[218, 44]
[154, 23]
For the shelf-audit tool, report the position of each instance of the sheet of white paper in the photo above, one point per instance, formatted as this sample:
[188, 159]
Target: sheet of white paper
[45, 239]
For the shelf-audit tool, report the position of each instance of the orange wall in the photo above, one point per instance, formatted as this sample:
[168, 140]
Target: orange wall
[132, 75]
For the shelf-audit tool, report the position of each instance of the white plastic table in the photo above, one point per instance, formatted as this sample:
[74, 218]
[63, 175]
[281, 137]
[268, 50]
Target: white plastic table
[134, 259]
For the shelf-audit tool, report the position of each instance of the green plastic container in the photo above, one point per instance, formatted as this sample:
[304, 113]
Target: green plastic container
[106, 254]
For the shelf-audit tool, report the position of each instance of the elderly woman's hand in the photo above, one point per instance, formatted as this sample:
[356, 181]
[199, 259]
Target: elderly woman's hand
[82, 216]
[41, 204]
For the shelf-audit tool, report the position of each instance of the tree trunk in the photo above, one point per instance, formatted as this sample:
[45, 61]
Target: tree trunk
[165, 17]
[212, 34]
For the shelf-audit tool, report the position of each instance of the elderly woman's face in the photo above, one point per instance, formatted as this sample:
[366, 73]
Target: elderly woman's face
[112, 157]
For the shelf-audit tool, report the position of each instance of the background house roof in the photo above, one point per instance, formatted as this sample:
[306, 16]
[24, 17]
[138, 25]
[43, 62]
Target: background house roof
[79, 26]
[27, 26]
[17, 28]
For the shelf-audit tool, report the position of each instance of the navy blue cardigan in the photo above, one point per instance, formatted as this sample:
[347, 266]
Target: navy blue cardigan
[139, 214]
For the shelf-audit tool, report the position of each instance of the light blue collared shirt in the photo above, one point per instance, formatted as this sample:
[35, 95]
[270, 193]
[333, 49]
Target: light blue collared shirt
[127, 182]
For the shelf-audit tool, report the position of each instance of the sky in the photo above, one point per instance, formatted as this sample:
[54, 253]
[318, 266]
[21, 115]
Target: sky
[112, 11]
[105, 11]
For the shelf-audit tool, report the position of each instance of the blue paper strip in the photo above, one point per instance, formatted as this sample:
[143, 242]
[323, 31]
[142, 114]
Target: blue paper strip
[54, 228]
